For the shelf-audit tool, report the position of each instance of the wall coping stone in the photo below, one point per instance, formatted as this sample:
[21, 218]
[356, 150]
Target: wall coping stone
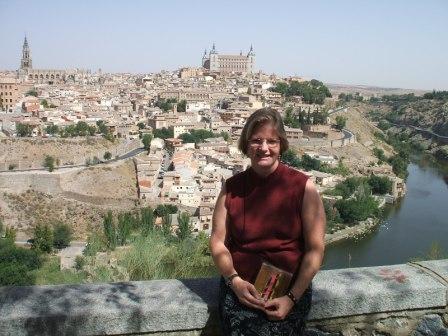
[191, 304]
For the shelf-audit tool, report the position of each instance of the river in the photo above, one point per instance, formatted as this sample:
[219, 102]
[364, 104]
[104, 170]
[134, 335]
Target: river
[410, 228]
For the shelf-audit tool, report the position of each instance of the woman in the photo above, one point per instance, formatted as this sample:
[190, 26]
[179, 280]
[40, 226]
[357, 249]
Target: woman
[268, 213]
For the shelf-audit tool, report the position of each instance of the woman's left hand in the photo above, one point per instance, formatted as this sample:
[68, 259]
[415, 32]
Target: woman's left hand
[277, 309]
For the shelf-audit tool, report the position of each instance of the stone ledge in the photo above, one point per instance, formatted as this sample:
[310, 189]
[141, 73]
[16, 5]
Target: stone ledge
[188, 305]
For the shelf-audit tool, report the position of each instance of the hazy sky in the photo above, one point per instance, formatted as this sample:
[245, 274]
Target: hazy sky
[391, 43]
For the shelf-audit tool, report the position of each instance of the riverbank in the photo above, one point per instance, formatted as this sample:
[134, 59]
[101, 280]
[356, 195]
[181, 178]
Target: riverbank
[351, 232]
[407, 229]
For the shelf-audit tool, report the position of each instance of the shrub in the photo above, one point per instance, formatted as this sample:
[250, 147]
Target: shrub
[107, 156]
[62, 235]
[43, 239]
[356, 209]
[80, 262]
[380, 184]
[95, 243]
[49, 163]
[16, 264]
[110, 231]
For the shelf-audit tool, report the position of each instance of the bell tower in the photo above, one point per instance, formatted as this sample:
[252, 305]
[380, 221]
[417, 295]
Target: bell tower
[26, 62]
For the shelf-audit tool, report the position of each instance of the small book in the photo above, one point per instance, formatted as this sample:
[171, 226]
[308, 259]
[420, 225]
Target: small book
[272, 282]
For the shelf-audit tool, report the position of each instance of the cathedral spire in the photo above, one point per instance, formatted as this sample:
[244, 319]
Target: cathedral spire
[213, 51]
[251, 51]
[26, 62]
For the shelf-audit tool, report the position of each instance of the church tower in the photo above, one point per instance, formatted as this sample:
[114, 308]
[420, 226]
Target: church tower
[26, 62]
[251, 60]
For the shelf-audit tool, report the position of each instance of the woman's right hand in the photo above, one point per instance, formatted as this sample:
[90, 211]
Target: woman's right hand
[247, 294]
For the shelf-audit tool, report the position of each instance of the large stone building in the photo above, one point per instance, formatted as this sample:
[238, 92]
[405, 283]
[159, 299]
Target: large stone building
[229, 63]
[11, 91]
[26, 72]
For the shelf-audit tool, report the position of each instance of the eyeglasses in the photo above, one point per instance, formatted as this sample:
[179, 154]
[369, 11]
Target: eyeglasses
[272, 143]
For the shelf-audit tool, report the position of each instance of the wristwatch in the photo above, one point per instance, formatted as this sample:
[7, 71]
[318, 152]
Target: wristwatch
[230, 278]
[292, 297]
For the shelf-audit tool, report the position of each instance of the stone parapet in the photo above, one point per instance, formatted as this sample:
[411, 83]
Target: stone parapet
[412, 297]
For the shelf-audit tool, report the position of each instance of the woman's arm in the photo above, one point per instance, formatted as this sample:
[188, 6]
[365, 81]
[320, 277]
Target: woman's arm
[313, 223]
[245, 291]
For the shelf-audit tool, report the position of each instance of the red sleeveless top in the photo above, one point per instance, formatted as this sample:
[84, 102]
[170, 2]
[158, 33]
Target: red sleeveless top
[264, 221]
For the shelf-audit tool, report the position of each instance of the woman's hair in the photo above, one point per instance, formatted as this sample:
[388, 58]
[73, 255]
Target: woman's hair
[259, 118]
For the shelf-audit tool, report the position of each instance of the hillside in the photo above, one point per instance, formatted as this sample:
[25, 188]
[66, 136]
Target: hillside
[78, 197]
[33, 151]
[427, 113]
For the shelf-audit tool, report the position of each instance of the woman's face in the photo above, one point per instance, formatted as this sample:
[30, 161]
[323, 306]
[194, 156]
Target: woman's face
[264, 149]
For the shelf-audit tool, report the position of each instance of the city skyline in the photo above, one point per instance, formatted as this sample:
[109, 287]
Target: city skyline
[378, 44]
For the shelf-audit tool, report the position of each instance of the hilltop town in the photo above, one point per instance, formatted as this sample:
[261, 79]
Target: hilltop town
[70, 140]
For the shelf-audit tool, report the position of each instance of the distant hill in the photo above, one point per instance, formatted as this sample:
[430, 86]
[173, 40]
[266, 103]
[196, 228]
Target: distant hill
[428, 112]
[369, 91]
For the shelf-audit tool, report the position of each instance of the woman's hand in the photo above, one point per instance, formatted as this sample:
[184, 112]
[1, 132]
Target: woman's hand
[247, 294]
[277, 309]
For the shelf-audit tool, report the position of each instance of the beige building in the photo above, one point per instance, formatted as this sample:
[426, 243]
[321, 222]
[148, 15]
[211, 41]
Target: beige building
[293, 134]
[190, 72]
[11, 91]
[226, 64]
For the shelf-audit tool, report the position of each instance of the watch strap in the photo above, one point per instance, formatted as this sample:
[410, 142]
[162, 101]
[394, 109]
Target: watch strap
[230, 278]
[292, 297]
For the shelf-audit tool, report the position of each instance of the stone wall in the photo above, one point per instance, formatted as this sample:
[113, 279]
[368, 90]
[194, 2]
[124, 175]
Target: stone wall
[408, 299]
[18, 182]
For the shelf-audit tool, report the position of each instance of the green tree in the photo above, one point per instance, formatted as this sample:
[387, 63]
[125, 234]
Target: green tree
[166, 225]
[1, 228]
[147, 138]
[399, 166]
[166, 104]
[96, 242]
[320, 117]
[52, 129]
[281, 87]
[332, 215]
[124, 227]
[347, 187]
[308, 163]
[17, 264]
[290, 119]
[141, 125]
[43, 238]
[82, 128]
[44, 103]
[146, 220]
[340, 122]
[24, 130]
[10, 234]
[31, 92]
[291, 158]
[62, 235]
[80, 262]
[225, 136]
[182, 106]
[110, 231]
[356, 209]
[185, 229]
[163, 209]
[107, 156]
[384, 125]
[379, 153]
[49, 163]
[380, 184]
[163, 133]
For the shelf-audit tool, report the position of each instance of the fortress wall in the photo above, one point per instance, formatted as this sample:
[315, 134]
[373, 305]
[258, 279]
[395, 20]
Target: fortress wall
[20, 182]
